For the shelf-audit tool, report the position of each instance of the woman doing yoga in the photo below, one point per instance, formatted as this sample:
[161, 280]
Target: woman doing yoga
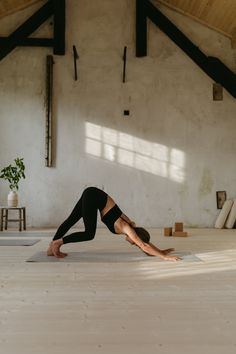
[92, 200]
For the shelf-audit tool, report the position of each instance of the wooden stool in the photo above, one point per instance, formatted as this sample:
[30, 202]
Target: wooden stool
[21, 217]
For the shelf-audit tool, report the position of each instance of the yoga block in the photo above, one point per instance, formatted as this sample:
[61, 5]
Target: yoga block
[179, 227]
[167, 231]
[180, 233]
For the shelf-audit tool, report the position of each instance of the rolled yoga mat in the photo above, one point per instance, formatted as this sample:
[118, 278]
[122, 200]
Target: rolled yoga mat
[230, 222]
[220, 221]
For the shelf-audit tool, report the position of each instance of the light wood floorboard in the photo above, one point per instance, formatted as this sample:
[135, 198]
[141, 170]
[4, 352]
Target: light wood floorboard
[138, 307]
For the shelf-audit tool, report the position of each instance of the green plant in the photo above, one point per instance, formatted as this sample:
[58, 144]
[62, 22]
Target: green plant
[13, 174]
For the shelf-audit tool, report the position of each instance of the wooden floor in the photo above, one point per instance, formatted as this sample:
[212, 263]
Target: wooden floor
[125, 307]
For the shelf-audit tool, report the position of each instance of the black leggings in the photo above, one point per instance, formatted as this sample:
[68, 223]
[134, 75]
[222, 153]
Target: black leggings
[92, 200]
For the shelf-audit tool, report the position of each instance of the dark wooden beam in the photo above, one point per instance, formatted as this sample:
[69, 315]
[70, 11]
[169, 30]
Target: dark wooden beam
[213, 67]
[30, 42]
[141, 29]
[28, 27]
[59, 26]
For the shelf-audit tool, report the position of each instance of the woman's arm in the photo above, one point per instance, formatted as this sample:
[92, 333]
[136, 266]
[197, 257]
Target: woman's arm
[163, 254]
[148, 248]
[125, 217]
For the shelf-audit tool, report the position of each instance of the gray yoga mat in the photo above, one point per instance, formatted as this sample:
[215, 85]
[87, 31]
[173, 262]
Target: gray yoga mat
[36, 234]
[18, 242]
[106, 257]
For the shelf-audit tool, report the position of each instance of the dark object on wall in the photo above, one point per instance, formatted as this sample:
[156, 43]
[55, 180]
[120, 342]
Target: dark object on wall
[124, 63]
[75, 61]
[49, 110]
[126, 112]
[20, 36]
[220, 199]
[212, 66]
[217, 92]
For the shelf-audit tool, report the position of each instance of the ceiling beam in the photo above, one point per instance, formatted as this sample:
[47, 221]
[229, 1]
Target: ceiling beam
[30, 42]
[212, 66]
[59, 26]
[27, 28]
[20, 37]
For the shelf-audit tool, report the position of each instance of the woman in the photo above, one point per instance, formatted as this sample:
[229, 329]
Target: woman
[92, 200]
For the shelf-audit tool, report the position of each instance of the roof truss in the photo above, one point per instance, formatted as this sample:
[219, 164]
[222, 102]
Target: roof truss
[212, 66]
[20, 37]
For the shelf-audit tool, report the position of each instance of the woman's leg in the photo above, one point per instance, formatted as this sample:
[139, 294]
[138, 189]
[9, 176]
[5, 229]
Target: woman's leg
[86, 208]
[75, 215]
[89, 214]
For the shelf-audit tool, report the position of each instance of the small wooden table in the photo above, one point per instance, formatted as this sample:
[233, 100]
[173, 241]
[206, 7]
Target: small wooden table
[4, 220]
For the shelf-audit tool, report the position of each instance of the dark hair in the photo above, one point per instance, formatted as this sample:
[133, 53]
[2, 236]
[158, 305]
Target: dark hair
[143, 234]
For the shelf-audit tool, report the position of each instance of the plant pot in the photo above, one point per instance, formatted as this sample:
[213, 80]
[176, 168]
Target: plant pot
[12, 199]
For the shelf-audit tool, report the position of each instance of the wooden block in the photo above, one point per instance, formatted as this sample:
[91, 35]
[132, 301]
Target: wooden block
[167, 231]
[180, 233]
[179, 227]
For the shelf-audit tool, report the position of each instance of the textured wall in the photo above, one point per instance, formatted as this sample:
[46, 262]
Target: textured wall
[163, 163]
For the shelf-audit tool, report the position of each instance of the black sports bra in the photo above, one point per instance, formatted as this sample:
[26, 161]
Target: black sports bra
[111, 216]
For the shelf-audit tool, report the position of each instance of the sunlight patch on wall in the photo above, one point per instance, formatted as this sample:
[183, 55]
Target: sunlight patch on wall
[134, 152]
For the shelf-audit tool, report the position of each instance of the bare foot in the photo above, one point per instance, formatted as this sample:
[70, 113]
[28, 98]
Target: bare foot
[49, 250]
[168, 250]
[55, 249]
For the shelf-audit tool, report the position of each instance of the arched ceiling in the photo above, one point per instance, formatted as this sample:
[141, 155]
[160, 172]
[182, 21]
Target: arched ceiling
[219, 15]
[8, 7]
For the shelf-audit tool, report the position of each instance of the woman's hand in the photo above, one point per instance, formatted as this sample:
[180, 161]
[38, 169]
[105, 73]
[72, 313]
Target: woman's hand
[171, 258]
[168, 250]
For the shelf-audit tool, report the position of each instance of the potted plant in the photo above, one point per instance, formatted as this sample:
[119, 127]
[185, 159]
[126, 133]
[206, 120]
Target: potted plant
[13, 174]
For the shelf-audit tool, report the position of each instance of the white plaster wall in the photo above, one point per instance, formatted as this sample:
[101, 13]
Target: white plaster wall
[163, 163]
